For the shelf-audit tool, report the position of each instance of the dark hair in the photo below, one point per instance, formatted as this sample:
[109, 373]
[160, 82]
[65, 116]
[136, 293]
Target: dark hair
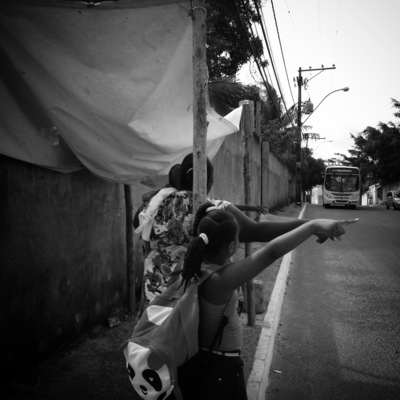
[220, 227]
[187, 173]
[174, 176]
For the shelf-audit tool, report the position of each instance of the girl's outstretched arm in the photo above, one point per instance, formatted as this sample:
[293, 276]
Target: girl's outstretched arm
[251, 231]
[240, 272]
[258, 209]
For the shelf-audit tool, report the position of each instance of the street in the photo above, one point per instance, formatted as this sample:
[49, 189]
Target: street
[339, 332]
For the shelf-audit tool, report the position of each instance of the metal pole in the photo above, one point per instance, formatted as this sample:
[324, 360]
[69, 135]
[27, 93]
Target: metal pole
[130, 265]
[299, 136]
[298, 144]
[247, 138]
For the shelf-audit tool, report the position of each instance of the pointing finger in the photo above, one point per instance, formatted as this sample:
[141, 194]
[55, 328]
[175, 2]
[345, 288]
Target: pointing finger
[348, 221]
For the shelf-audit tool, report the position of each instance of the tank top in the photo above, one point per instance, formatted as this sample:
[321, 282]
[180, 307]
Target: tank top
[210, 320]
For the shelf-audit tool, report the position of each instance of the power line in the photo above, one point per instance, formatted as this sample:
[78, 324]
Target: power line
[257, 57]
[261, 18]
[283, 57]
[265, 69]
[289, 12]
[268, 45]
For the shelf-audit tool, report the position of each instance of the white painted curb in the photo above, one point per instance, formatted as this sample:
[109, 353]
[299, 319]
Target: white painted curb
[258, 380]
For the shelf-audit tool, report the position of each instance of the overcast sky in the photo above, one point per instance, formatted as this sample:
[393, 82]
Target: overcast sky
[361, 38]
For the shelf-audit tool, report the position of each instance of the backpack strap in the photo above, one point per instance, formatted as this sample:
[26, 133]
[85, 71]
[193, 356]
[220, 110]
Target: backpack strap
[221, 327]
[207, 272]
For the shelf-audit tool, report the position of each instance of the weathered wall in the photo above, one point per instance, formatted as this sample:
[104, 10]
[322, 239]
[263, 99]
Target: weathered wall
[228, 170]
[62, 256]
[272, 183]
[281, 188]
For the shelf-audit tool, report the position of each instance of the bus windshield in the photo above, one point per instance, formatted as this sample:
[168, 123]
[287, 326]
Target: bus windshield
[342, 180]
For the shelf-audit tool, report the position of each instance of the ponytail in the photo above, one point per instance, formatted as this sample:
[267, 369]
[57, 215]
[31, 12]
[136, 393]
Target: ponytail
[201, 213]
[196, 249]
[193, 260]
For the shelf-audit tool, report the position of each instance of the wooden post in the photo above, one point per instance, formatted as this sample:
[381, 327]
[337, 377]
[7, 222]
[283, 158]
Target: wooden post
[130, 266]
[265, 193]
[247, 137]
[258, 133]
[200, 88]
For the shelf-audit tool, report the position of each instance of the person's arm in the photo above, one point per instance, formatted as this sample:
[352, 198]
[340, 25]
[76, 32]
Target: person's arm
[219, 286]
[136, 221]
[251, 231]
[146, 197]
[258, 209]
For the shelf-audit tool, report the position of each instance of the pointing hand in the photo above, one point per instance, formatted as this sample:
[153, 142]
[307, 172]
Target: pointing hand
[331, 229]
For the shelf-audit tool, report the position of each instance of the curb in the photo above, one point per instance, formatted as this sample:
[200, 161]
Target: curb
[258, 380]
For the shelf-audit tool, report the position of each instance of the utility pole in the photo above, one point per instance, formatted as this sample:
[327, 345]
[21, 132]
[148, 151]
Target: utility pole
[298, 144]
[200, 89]
[299, 136]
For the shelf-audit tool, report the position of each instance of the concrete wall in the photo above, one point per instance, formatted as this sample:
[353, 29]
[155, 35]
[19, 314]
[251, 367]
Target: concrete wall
[228, 169]
[272, 183]
[279, 183]
[62, 256]
[63, 245]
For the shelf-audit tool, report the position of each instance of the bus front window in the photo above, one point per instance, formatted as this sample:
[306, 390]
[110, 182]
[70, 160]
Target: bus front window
[332, 183]
[350, 184]
[337, 183]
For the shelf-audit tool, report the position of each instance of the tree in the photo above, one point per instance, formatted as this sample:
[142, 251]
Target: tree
[229, 39]
[312, 170]
[228, 49]
[376, 150]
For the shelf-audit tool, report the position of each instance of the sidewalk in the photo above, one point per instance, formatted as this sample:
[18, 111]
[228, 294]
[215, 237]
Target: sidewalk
[93, 367]
[258, 356]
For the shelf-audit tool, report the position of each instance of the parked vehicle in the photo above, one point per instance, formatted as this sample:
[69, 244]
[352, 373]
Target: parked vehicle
[393, 200]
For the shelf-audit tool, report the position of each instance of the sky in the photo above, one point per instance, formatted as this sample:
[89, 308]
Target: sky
[360, 37]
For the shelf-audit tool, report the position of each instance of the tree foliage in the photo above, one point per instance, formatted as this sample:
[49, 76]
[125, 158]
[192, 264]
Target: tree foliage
[312, 173]
[228, 49]
[228, 36]
[376, 150]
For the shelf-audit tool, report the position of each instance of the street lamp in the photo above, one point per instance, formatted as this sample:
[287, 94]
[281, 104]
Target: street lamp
[319, 144]
[299, 136]
[345, 89]
[325, 141]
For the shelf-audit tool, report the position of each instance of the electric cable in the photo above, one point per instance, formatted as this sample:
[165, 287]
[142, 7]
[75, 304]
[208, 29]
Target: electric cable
[258, 61]
[256, 56]
[283, 57]
[270, 55]
[266, 38]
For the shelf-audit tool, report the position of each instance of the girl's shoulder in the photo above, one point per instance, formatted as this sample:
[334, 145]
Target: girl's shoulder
[213, 288]
[211, 269]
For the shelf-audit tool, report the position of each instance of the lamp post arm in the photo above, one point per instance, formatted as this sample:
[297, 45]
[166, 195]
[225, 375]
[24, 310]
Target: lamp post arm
[315, 109]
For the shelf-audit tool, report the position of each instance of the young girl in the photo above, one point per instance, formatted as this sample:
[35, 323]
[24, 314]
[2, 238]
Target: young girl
[216, 372]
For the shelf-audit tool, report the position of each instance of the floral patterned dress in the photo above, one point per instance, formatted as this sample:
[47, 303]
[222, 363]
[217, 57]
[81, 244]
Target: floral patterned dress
[171, 232]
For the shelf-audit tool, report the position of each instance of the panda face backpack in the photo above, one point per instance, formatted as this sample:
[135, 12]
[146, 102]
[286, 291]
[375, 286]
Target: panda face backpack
[164, 338]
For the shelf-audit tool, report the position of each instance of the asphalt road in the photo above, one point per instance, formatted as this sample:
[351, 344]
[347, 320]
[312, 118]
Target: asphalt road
[339, 333]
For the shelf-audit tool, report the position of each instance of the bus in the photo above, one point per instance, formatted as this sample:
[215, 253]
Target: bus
[341, 186]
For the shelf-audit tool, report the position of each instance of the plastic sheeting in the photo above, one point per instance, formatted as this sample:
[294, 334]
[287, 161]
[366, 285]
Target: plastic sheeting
[108, 89]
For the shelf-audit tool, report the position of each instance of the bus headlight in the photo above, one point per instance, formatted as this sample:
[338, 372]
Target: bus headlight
[329, 195]
[353, 197]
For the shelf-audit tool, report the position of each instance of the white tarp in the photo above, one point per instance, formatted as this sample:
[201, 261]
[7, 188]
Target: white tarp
[116, 83]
